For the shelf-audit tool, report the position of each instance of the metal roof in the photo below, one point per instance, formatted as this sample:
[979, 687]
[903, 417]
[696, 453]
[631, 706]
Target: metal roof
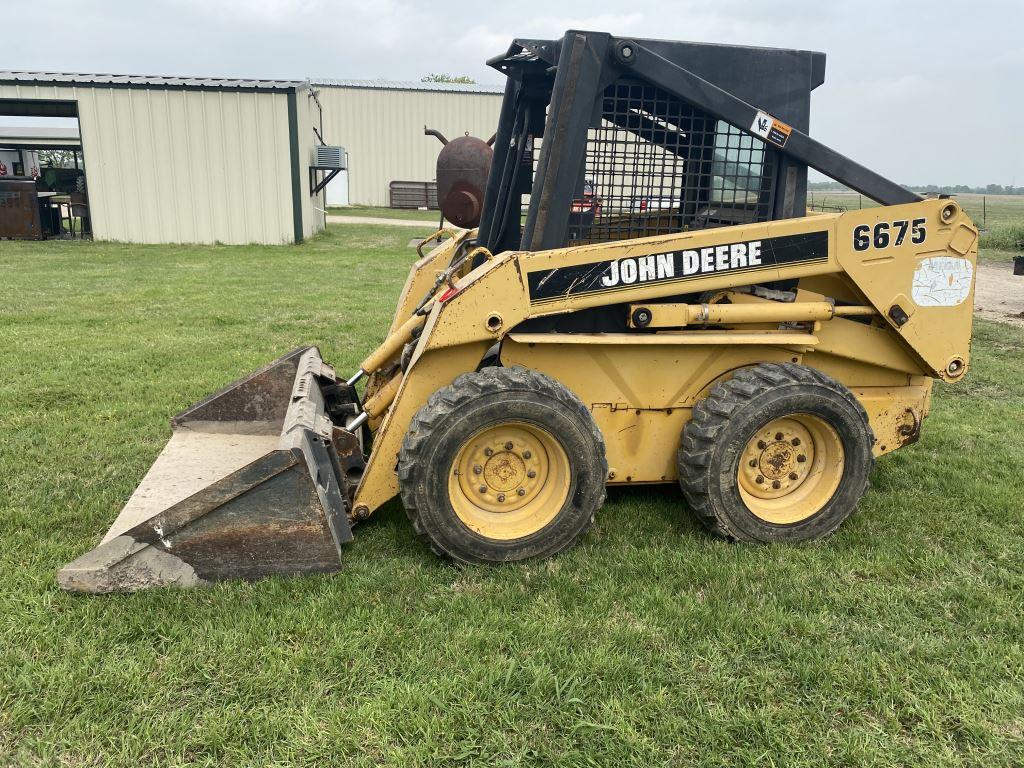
[23, 77]
[79, 80]
[408, 85]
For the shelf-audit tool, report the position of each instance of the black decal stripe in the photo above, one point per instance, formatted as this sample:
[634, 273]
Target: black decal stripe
[672, 280]
[553, 284]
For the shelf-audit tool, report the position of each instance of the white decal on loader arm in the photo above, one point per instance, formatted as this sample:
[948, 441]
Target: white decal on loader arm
[942, 281]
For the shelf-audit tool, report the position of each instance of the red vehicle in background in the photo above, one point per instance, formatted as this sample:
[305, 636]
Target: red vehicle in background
[589, 204]
[583, 211]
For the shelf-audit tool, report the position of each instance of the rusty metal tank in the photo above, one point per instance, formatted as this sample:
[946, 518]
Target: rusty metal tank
[462, 168]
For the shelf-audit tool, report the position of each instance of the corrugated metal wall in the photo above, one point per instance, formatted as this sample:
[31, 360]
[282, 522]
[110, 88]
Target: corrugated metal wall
[382, 129]
[188, 166]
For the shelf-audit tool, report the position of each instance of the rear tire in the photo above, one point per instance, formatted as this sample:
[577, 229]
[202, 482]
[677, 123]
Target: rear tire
[504, 464]
[780, 452]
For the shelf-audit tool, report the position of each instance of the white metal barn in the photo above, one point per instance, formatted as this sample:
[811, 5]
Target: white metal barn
[186, 160]
[380, 124]
[213, 160]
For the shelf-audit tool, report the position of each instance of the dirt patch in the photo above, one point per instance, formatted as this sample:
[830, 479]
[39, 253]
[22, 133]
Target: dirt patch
[426, 226]
[999, 294]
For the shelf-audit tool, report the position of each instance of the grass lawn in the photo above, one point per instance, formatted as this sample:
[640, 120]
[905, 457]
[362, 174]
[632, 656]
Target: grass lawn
[996, 256]
[987, 211]
[384, 213]
[897, 642]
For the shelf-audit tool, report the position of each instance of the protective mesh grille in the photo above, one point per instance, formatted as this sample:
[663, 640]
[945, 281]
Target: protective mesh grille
[658, 165]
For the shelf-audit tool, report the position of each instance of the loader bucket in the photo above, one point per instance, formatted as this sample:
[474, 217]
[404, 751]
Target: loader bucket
[249, 485]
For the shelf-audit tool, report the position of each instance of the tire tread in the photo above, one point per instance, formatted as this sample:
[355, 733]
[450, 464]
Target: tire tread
[710, 419]
[448, 401]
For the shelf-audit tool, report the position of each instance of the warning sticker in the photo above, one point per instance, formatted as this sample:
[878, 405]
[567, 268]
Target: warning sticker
[772, 129]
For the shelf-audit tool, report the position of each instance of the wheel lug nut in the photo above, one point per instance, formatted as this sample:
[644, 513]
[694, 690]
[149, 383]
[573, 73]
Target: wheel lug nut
[508, 446]
[779, 436]
[501, 497]
[488, 452]
[753, 462]
[795, 441]
[521, 491]
[477, 469]
[531, 474]
[776, 484]
[762, 444]
[527, 454]
[759, 479]
[801, 458]
[793, 475]
[483, 489]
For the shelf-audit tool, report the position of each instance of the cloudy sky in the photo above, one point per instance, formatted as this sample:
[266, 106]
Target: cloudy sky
[923, 91]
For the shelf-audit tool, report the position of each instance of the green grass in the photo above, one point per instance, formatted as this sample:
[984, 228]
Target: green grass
[897, 642]
[1008, 238]
[996, 256]
[384, 213]
[995, 211]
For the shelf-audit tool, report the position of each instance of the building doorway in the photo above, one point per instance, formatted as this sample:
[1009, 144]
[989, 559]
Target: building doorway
[43, 185]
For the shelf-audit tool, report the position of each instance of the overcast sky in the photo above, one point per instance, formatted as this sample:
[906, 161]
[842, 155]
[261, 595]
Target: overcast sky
[923, 91]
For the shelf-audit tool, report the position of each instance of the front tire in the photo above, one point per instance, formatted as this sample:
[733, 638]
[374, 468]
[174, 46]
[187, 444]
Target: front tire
[504, 464]
[780, 452]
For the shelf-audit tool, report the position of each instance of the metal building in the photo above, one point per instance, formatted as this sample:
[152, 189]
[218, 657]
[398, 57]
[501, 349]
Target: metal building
[186, 160]
[380, 123]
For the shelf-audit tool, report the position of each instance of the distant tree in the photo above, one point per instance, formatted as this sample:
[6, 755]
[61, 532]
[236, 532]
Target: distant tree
[56, 158]
[942, 189]
[827, 186]
[440, 77]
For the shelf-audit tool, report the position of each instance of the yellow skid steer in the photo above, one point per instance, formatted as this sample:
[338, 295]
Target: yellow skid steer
[646, 300]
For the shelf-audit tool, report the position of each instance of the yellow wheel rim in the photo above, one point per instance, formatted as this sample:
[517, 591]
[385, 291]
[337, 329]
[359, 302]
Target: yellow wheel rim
[791, 468]
[509, 480]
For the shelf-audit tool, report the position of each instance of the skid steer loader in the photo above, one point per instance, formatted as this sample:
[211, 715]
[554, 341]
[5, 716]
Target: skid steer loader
[646, 300]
